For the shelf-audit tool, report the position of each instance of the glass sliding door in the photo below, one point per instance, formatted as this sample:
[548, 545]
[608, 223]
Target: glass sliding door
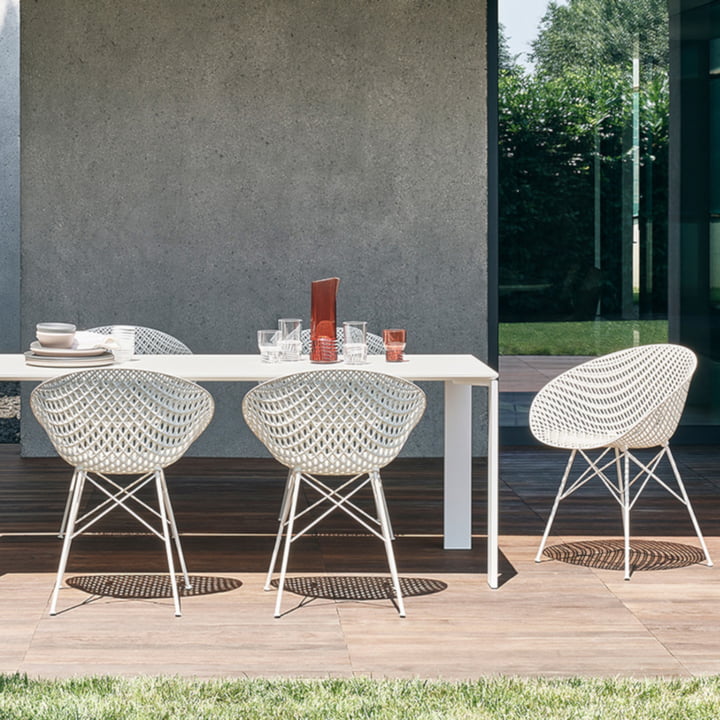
[583, 179]
[695, 200]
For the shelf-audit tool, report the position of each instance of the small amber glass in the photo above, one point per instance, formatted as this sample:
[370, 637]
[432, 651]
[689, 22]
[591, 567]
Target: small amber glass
[394, 340]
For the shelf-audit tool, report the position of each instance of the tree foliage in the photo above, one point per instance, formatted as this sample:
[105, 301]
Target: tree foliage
[565, 133]
[590, 35]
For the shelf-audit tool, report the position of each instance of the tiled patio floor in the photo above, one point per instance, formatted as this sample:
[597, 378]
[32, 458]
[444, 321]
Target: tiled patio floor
[551, 619]
[528, 373]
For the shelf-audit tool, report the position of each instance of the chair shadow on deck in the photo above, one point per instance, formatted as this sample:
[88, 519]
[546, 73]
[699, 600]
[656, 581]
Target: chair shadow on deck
[355, 588]
[144, 587]
[608, 554]
[141, 587]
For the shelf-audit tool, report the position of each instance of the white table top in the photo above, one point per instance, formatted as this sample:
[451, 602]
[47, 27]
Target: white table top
[462, 369]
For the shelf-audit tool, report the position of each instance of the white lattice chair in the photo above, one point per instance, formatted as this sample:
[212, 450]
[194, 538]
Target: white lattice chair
[121, 422]
[333, 422]
[149, 341]
[615, 404]
[374, 342]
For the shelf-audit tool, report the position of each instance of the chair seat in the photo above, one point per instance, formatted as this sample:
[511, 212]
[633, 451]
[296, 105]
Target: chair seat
[566, 439]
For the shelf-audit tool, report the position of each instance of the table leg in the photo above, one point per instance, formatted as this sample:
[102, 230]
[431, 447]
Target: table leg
[493, 481]
[458, 473]
[458, 467]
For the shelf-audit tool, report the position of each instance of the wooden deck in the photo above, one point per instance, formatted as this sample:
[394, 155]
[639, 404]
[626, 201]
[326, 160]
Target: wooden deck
[555, 618]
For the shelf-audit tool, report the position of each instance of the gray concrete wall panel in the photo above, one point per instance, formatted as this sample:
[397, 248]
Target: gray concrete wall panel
[193, 166]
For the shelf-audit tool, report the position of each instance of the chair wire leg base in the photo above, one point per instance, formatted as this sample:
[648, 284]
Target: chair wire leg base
[175, 534]
[282, 519]
[689, 507]
[558, 497]
[624, 480]
[159, 485]
[294, 491]
[63, 524]
[383, 516]
[77, 485]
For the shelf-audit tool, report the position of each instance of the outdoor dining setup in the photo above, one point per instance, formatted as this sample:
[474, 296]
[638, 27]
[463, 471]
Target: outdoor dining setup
[332, 403]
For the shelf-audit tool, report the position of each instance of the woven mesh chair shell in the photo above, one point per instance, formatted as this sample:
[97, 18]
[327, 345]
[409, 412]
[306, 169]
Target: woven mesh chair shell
[121, 420]
[628, 400]
[334, 422]
[118, 422]
[375, 345]
[149, 341]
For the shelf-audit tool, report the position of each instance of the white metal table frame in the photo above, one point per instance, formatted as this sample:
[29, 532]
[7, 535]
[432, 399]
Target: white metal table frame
[459, 373]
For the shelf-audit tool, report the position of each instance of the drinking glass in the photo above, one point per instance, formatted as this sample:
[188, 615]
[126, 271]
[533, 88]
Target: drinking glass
[124, 337]
[290, 342]
[268, 342]
[355, 342]
[394, 341]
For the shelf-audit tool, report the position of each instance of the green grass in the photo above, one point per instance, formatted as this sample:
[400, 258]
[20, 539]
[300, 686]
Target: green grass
[146, 698]
[578, 338]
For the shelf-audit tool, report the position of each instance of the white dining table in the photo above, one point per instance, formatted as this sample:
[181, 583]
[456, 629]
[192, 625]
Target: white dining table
[458, 373]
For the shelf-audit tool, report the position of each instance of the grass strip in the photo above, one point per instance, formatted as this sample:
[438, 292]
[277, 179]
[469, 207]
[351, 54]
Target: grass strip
[151, 698]
[597, 337]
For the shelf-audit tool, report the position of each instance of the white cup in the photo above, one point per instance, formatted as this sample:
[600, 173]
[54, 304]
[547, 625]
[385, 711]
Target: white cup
[124, 337]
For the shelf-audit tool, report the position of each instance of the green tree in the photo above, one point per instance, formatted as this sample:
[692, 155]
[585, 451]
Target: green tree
[564, 132]
[587, 35]
[506, 61]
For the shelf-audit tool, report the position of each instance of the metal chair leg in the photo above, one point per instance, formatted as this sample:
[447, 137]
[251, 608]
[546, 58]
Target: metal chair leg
[689, 506]
[166, 539]
[558, 497]
[174, 531]
[624, 479]
[294, 492]
[63, 524]
[383, 516]
[282, 519]
[76, 488]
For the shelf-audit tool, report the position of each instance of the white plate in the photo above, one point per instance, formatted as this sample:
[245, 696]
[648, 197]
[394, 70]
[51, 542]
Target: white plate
[39, 349]
[106, 358]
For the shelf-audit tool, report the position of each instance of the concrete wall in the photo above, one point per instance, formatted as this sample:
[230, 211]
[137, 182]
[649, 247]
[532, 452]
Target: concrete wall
[192, 166]
[9, 176]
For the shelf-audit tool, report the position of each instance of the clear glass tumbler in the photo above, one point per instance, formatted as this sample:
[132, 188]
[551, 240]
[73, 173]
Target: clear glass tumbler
[268, 343]
[290, 340]
[355, 342]
[124, 337]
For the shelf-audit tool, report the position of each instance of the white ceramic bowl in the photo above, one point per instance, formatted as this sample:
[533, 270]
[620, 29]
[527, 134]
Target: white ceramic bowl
[51, 334]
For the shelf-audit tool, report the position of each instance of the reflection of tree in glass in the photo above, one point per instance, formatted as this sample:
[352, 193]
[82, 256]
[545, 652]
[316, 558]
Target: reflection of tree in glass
[563, 133]
[591, 34]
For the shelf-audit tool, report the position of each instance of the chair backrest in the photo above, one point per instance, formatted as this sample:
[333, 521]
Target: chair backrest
[374, 342]
[121, 420]
[149, 341]
[628, 399]
[334, 421]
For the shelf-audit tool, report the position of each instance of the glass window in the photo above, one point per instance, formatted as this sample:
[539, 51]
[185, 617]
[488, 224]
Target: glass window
[583, 109]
